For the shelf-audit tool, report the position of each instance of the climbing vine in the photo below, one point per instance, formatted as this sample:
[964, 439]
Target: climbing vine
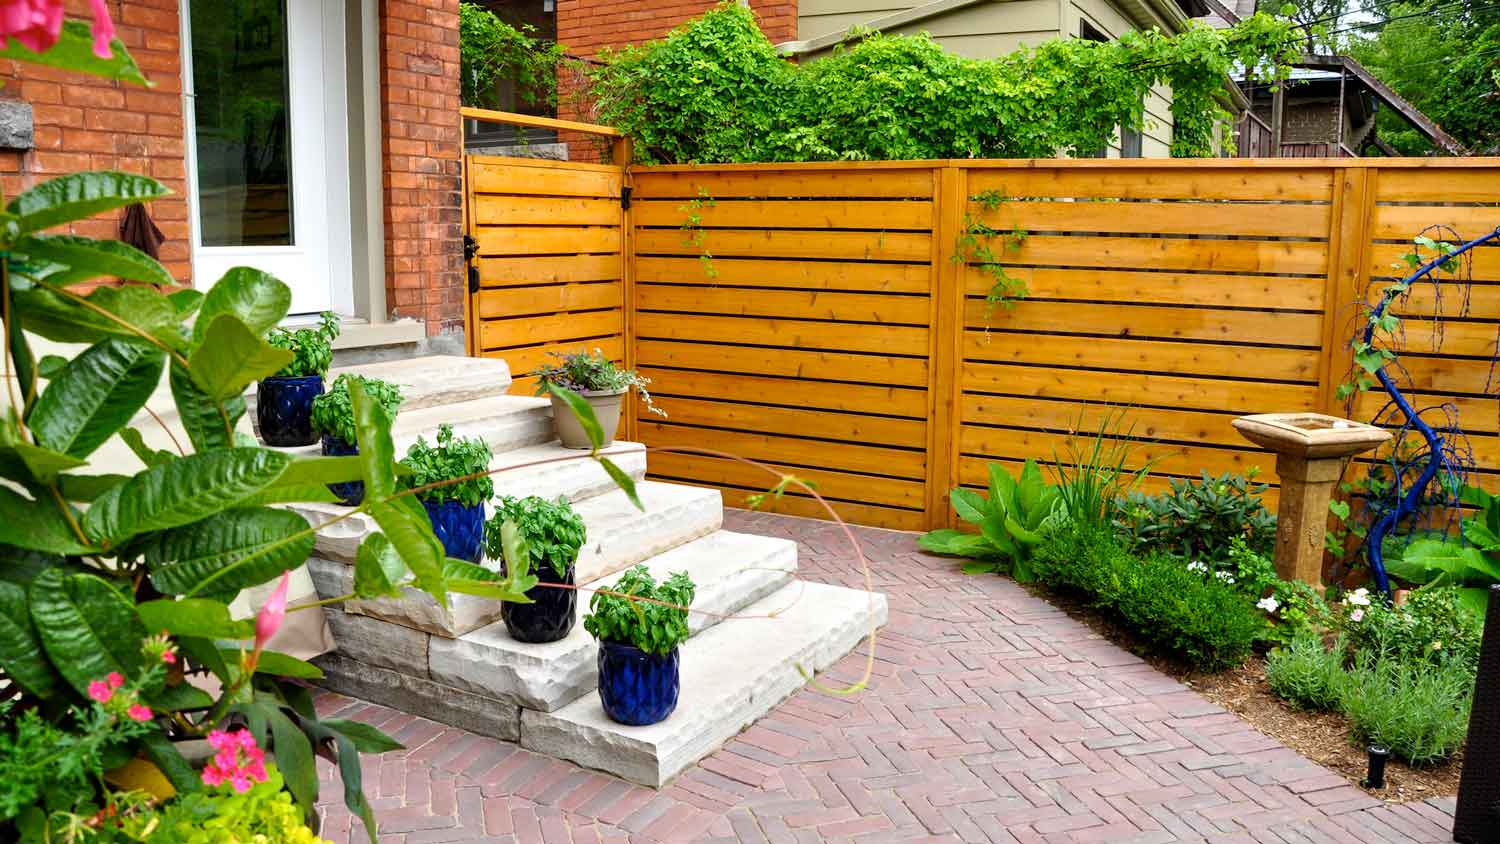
[974, 249]
[693, 234]
[715, 90]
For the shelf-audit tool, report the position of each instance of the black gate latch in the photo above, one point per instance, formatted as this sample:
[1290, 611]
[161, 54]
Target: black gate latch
[471, 249]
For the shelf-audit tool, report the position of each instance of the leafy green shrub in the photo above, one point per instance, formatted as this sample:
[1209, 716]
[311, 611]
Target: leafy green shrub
[592, 372]
[311, 348]
[1306, 674]
[333, 412]
[448, 460]
[1015, 517]
[1432, 626]
[1471, 565]
[715, 90]
[656, 625]
[551, 530]
[491, 50]
[1420, 710]
[1164, 604]
[264, 813]
[1197, 520]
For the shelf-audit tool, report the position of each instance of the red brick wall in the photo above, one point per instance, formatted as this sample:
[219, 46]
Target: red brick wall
[84, 123]
[422, 161]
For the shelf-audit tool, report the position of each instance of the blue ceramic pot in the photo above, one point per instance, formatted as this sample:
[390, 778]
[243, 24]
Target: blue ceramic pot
[635, 687]
[460, 528]
[551, 616]
[283, 407]
[351, 493]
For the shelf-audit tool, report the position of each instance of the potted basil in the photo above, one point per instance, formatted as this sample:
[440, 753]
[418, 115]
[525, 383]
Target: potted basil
[456, 509]
[599, 382]
[552, 534]
[638, 660]
[283, 402]
[333, 418]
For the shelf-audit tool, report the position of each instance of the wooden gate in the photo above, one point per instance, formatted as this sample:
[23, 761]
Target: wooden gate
[546, 251]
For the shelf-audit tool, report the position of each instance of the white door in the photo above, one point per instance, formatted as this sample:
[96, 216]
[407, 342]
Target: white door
[267, 140]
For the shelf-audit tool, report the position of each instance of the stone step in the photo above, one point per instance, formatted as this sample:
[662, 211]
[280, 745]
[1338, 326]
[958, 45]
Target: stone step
[504, 422]
[437, 379]
[731, 570]
[732, 674]
[619, 536]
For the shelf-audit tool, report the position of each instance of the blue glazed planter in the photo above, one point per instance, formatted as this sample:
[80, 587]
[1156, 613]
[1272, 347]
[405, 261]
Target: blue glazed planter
[460, 528]
[635, 687]
[350, 493]
[283, 407]
[552, 615]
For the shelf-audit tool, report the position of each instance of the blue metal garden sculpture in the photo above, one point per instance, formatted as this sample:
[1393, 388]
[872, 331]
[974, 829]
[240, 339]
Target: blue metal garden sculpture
[1445, 451]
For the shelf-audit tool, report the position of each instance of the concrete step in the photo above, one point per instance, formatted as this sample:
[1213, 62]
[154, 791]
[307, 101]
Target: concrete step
[437, 379]
[619, 536]
[504, 422]
[731, 570]
[732, 674]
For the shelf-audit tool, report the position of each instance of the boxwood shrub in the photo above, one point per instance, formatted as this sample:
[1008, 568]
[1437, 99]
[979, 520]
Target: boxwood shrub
[1207, 623]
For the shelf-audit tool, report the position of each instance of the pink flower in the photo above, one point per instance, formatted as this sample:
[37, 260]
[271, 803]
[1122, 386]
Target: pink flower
[34, 23]
[115, 680]
[268, 620]
[100, 692]
[103, 29]
[1357, 615]
[238, 762]
[139, 712]
[213, 775]
[169, 657]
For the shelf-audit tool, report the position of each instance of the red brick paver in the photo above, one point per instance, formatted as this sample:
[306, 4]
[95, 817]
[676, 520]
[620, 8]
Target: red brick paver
[991, 717]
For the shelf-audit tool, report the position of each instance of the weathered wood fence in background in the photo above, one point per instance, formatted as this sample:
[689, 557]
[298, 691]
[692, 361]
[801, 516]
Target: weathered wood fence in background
[819, 317]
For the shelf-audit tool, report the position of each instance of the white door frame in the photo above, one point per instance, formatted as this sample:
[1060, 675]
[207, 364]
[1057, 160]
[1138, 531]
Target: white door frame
[319, 266]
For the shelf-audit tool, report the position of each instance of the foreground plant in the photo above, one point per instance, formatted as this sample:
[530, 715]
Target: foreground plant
[1013, 520]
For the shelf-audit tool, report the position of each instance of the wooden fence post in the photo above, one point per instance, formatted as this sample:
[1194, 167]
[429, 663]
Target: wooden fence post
[1350, 219]
[620, 154]
[945, 360]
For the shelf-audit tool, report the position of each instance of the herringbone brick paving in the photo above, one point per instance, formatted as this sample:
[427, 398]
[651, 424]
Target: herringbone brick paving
[992, 717]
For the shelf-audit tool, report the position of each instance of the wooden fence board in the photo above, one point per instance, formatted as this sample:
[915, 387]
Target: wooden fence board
[798, 275]
[547, 240]
[789, 333]
[1180, 218]
[1238, 256]
[1404, 222]
[838, 487]
[793, 450]
[773, 183]
[838, 245]
[818, 304]
[1291, 329]
[1135, 388]
[512, 176]
[1312, 184]
[1136, 355]
[812, 424]
[791, 363]
[788, 214]
[558, 269]
[527, 301]
[1181, 426]
[1133, 287]
[493, 210]
[795, 392]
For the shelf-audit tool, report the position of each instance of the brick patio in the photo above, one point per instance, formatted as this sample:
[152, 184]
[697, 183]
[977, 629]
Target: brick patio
[993, 717]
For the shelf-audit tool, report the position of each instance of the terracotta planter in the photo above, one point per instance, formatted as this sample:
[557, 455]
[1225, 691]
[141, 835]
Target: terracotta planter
[606, 407]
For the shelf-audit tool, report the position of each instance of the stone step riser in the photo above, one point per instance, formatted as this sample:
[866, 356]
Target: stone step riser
[505, 423]
[732, 674]
[419, 696]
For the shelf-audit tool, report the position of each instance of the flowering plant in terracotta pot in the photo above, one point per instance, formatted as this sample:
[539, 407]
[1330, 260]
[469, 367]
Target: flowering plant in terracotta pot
[600, 384]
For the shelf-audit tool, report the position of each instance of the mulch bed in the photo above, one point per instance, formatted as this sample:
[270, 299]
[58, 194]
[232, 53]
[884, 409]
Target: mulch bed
[1322, 737]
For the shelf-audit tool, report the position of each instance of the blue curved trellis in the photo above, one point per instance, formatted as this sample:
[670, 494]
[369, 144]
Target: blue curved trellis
[1407, 504]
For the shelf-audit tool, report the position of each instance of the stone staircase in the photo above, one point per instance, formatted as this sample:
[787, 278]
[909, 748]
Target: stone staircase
[458, 665]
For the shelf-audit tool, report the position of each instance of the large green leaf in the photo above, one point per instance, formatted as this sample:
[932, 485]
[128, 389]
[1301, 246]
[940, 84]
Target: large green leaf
[1444, 563]
[956, 543]
[87, 258]
[146, 454]
[125, 312]
[25, 463]
[377, 453]
[366, 738]
[623, 481]
[95, 395]
[182, 492]
[282, 665]
[186, 301]
[228, 551]
[1031, 489]
[294, 756]
[209, 424]
[180, 698]
[37, 525]
[88, 487]
[21, 655]
[1002, 490]
[193, 617]
[231, 357]
[378, 569]
[259, 299]
[583, 410]
[87, 626]
[968, 504]
[407, 526]
[74, 51]
[164, 754]
[25, 364]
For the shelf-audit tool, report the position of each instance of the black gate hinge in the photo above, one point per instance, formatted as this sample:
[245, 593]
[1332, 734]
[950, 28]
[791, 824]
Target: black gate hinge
[625, 197]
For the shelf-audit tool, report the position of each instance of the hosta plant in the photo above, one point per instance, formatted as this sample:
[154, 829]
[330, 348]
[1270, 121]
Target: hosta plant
[1471, 564]
[1013, 520]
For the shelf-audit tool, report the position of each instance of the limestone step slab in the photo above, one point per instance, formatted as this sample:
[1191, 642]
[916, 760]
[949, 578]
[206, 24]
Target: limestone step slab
[732, 674]
[619, 536]
[437, 379]
[505, 423]
[731, 571]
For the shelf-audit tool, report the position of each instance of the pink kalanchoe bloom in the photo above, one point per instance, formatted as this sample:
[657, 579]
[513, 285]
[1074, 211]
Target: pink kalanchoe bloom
[238, 762]
[100, 692]
[139, 712]
[169, 657]
[213, 775]
[268, 620]
[115, 680]
[34, 23]
[103, 29]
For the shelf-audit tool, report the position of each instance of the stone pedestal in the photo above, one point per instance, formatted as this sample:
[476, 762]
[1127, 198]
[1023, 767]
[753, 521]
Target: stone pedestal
[1302, 516]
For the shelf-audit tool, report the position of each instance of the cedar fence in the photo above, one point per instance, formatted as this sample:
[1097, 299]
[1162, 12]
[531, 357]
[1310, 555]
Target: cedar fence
[821, 317]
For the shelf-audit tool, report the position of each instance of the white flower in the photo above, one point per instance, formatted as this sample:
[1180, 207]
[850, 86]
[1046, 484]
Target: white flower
[1197, 565]
[1268, 603]
[1437, 646]
[1357, 616]
[1359, 597]
[1224, 577]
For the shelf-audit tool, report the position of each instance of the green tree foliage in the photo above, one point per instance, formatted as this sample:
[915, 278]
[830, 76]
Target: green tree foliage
[1444, 58]
[715, 90]
[491, 51]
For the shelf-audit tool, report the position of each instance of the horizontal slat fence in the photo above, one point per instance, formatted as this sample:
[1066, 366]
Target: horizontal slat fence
[819, 317]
